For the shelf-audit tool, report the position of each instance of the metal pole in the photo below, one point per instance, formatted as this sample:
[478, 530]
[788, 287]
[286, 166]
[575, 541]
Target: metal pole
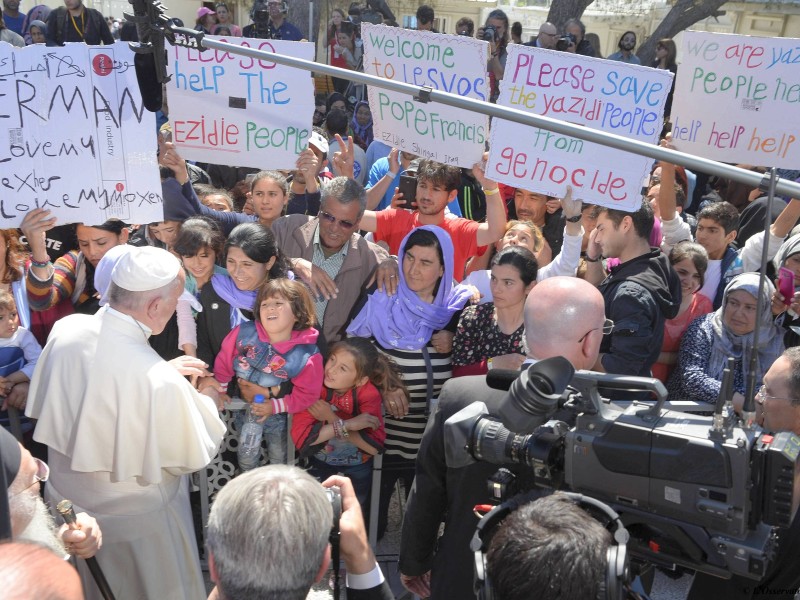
[783, 187]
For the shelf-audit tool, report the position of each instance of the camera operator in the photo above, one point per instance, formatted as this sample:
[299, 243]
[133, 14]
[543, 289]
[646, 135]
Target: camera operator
[564, 316]
[269, 22]
[577, 30]
[777, 409]
[549, 549]
[268, 538]
[495, 31]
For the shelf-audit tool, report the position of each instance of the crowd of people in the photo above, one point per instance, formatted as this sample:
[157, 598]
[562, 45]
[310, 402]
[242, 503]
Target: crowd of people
[342, 310]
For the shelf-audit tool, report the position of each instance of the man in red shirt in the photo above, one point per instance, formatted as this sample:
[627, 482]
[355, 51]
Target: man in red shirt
[437, 185]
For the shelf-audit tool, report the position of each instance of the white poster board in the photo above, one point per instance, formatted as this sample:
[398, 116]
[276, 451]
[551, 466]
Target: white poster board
[77, 139]
[624, 99]
[449, 63]
[234, 110]
[737, 99]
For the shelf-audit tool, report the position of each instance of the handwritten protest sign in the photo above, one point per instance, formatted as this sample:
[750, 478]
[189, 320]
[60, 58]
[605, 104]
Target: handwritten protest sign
[737, 99]
[449, 63]
[76, 137]
[234, 110]
[611, 96]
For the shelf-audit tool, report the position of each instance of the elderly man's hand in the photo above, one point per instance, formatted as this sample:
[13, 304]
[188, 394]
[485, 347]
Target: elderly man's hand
[386, 276]
[356, 553]
[86, 540]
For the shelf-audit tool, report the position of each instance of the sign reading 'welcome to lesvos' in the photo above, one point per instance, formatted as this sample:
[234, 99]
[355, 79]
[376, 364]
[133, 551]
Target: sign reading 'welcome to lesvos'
[737, 99]
[76, 138]
[610, 96]
[235, 110]
[448, 63]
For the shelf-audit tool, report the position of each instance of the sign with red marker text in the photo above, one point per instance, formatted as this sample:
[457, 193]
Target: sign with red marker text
[233, 110]
[447, 63]
[737, 99]
[77, 139]
[623, 99]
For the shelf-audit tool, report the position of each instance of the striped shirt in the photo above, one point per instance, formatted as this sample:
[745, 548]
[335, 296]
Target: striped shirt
[66, 273]
[331, 265]
[403, 436]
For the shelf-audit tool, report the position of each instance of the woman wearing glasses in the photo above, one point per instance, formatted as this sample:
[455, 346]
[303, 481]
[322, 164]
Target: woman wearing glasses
[727, 333]
[405, 327]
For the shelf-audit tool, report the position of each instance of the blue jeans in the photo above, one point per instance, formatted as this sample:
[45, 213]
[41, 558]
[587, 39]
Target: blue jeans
[360, 475]
[276, 436]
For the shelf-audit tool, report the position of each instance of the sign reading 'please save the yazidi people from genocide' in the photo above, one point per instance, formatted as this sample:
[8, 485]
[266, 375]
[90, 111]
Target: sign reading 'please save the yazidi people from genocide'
[614, 97]
[737, 99]
[235, 110]
[78, 140]
[447, 63]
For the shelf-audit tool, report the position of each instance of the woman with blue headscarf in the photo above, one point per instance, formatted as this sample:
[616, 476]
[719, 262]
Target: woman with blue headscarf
[728, 333]
[402, 326]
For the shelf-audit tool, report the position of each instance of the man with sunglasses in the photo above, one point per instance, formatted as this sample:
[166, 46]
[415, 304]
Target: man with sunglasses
[30, 518]
[564, 316]
[327, 252]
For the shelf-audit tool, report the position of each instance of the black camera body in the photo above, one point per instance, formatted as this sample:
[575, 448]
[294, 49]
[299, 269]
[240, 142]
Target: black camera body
[693, 491]
[490, 33]
[565, 41]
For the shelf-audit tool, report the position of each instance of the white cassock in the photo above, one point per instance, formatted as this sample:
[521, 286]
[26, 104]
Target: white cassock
[123, 428]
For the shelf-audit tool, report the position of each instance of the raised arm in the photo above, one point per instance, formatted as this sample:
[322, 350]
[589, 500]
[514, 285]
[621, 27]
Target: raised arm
[495, 225]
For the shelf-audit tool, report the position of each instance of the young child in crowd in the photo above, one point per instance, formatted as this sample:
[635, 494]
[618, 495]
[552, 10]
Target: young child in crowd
[274, 355]
[19, 350]
[343, 430]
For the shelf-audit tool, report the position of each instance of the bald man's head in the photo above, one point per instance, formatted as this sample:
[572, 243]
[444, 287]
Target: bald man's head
[548, 34]
[31, 571]
[564, 316]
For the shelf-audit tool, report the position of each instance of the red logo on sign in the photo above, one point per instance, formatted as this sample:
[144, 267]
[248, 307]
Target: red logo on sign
[102, 64]
[120, 186]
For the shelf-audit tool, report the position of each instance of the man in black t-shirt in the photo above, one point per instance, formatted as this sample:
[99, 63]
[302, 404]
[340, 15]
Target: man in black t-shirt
[73, 22]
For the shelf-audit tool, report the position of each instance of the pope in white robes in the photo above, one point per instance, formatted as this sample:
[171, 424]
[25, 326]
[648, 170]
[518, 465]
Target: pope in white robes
[123, 429]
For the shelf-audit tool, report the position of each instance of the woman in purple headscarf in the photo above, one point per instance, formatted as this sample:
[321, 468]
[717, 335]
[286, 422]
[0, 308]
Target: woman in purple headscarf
[403, 326]
[37, 13]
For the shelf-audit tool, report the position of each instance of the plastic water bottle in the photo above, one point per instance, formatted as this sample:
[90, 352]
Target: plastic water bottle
[252, 432]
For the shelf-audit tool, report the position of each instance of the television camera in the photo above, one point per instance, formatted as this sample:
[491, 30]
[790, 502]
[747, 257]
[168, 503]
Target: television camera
[707, 493]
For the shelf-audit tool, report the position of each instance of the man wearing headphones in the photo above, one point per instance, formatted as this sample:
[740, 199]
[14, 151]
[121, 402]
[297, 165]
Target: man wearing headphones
[550, 548]
[564, 316]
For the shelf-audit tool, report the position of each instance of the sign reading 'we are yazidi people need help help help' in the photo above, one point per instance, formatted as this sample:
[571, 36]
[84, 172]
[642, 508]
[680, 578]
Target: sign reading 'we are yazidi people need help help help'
[447, 63]
[737, 99]
[76, 138]
[610, 96]
[235, 110]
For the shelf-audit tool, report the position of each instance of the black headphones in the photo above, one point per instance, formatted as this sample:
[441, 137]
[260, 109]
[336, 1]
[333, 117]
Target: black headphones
[617, 567]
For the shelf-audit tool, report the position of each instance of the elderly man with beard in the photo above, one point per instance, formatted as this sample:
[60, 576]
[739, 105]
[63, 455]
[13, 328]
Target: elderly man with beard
[30, 519]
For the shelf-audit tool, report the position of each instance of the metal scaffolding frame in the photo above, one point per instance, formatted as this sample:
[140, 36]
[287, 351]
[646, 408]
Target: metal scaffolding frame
[783, 187]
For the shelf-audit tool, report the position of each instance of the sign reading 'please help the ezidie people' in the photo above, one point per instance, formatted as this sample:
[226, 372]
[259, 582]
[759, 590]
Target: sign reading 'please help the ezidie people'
[737, 99]
[76, 137]
[236, 110]
[615, 97]
[448, 63]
